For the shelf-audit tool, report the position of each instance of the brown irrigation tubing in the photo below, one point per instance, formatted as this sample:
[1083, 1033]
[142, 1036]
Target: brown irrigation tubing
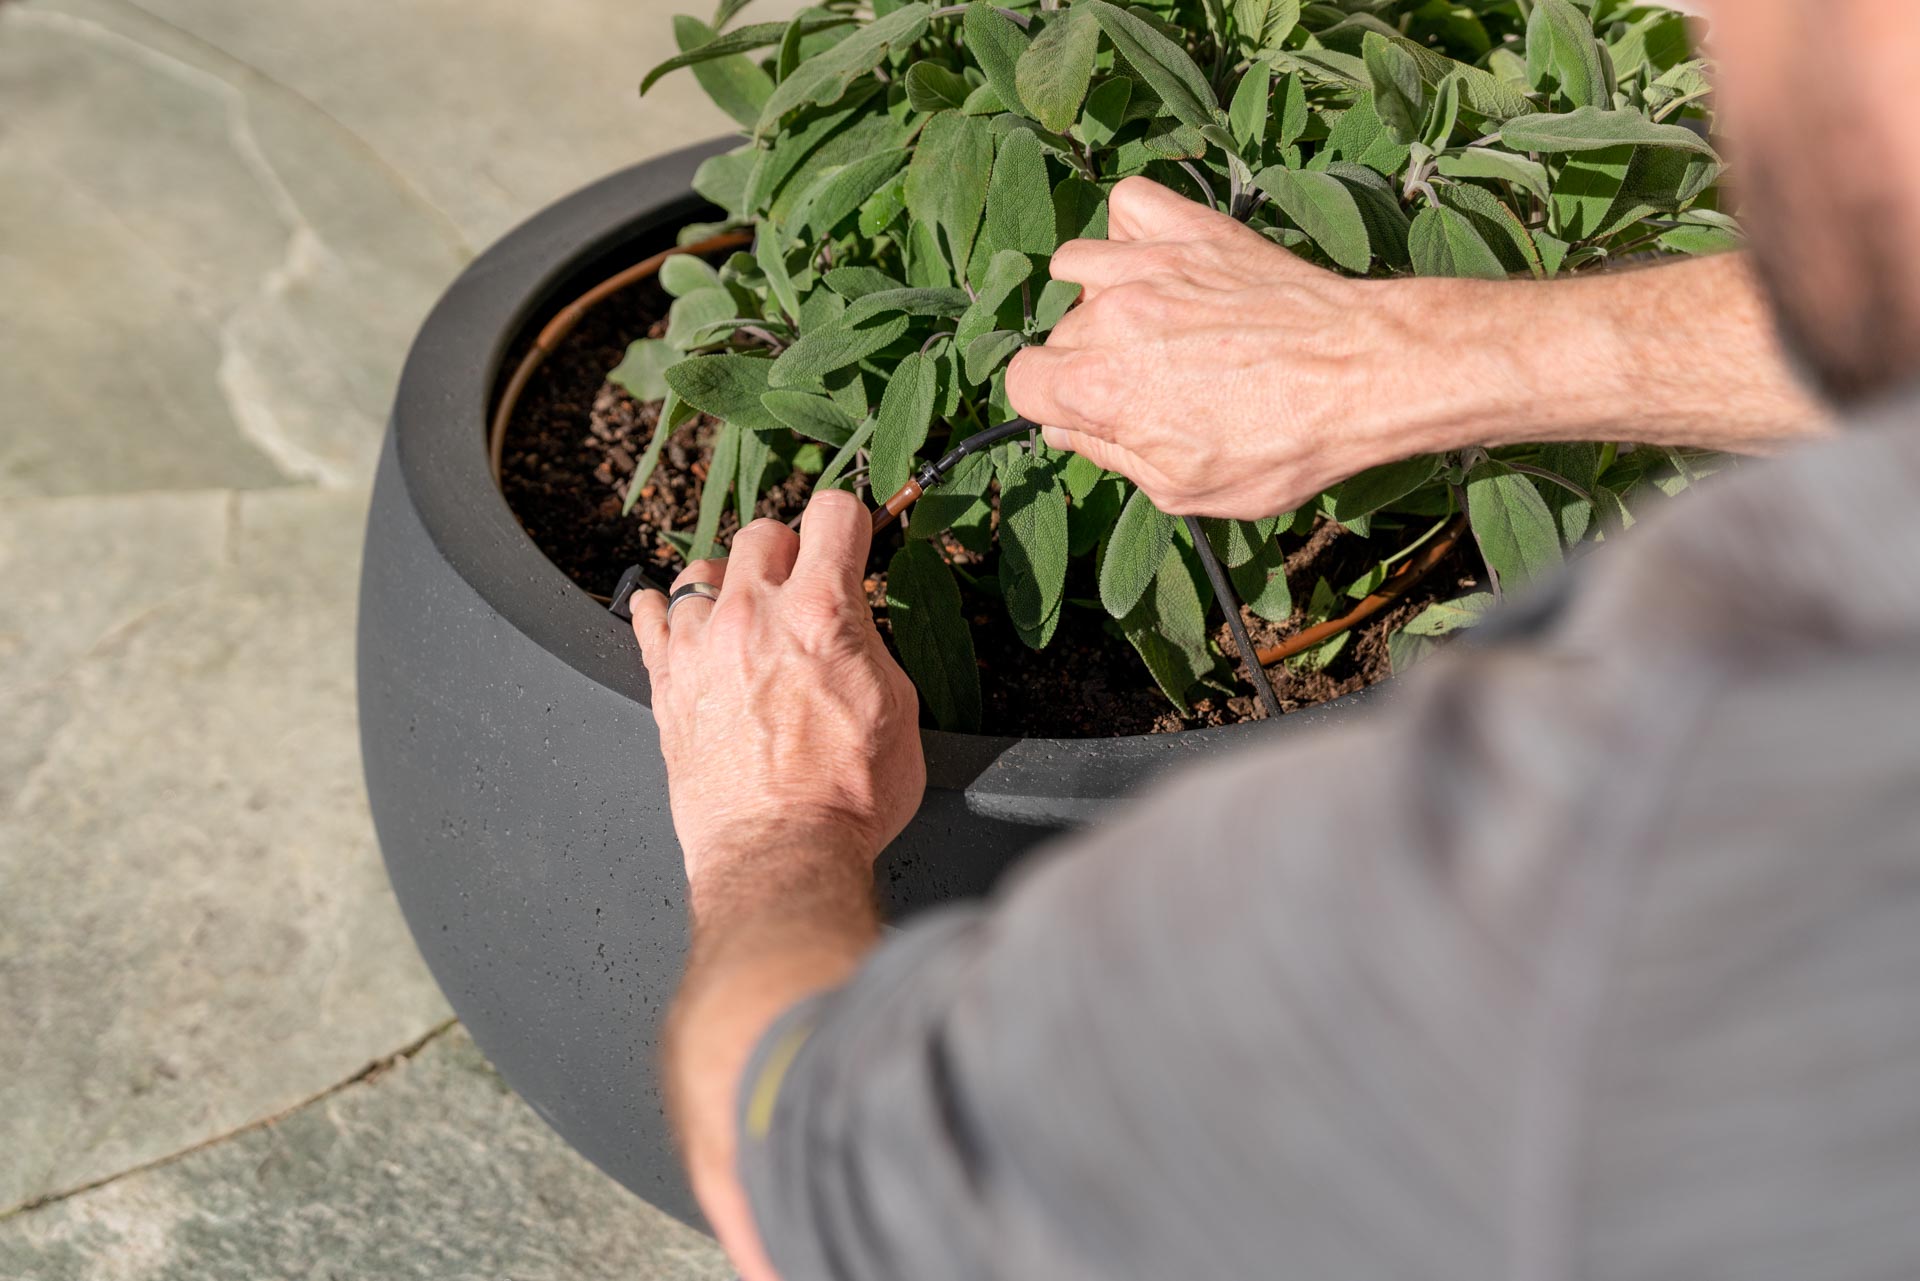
[1404, 580]
[555, 331]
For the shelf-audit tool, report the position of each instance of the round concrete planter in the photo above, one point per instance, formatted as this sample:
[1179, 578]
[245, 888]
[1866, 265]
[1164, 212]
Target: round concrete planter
[510, 754]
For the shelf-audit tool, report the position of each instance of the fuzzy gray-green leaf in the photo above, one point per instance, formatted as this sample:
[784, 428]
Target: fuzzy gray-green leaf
[930, 631]
[1019, 201]
[947, 181]
[823, 78]
[1322, 206]
[1513, 525]
[743, 40]
[736, 85]
[1444, 242]
[821, 351]
[1168, 628]
[1141, 540]
[1033, 543]
[815, 417]
[1399, 94]
[643, 370]
[716, 489]
[906, 411]
[996, 45]
[1163, 64]
[1591, 129]
[1053, 74]
[728, 387]
[1378, 487]
[1529, 176]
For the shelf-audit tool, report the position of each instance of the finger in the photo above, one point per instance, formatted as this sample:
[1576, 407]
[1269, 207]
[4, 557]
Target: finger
[762, 554]
[1041, 386]
[1102, 453]
[1133, 319]
[650, 629]
[1141, 209]
[835, 534]
[1100, 264]
[692, 611]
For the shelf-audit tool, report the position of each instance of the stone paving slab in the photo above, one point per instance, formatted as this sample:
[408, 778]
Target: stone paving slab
[229, 218]
[196, 931]
[429, 1169]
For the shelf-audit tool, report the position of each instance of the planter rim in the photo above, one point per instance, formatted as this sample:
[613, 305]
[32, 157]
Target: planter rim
[439, 427]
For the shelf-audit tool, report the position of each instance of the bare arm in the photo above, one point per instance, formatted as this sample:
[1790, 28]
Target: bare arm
[1227, 377]
[773, 924]
[793, 757]
[1679, 354]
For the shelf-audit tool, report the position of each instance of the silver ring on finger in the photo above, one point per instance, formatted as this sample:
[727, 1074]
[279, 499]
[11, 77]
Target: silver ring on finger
[704, 591]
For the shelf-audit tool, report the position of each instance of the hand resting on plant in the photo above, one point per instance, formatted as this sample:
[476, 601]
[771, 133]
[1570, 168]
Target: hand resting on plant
[1227, 377]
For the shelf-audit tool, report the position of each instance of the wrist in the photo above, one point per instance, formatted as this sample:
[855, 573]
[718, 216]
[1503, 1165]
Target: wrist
[1498, 375]
[732, 870]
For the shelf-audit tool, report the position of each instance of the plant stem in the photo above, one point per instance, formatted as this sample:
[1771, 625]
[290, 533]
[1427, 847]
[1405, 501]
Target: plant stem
[1546, 474]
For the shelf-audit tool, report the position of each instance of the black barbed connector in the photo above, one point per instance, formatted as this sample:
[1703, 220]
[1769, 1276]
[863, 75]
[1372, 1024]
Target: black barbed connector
[634, 579]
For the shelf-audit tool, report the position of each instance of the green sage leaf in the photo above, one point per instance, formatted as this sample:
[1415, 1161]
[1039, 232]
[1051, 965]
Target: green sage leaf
[1033, 543]
[815, 417]
[1163, 64]
[1399, 94]
[1323, 207]
[728, 387]
[1378, 487]
[1444, 242]
[1560, 44]
[1053, 73]
[744, 40]
[1141, 540]
[822, 351]
[1526, 175]
[1591, 129]
[822, 79]
[643, 370]
[947, 181]
[736, 85]
[716, 489]
[930, 631]
[996, 45]
[1513, 525]
[906, 412]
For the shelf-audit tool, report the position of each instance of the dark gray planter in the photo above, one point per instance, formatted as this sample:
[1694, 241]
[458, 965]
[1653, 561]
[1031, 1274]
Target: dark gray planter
[510, 755]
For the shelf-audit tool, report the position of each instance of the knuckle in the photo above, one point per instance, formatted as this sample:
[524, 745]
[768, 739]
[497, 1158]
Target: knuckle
[831, 500]
[1096, 386]
[814, 613]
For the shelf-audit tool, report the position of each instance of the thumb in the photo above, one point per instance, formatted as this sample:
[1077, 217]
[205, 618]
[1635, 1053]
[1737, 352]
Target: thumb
[1142, 209]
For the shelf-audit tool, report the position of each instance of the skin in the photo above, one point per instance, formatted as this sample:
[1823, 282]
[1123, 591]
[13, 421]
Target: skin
[1228, 378]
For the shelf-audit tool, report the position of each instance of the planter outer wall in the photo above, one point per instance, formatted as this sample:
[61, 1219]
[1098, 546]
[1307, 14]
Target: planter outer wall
[511, 758]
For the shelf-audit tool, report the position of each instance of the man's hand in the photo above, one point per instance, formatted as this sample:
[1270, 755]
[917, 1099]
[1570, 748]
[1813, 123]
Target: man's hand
[1215, 369]
[785, 723]
[1227, 377]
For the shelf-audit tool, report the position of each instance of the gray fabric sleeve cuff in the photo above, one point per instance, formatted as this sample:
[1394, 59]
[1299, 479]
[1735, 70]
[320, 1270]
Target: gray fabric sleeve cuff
[819, 1114]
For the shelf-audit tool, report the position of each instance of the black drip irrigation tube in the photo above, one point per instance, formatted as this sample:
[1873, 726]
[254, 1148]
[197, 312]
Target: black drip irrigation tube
[935, 472]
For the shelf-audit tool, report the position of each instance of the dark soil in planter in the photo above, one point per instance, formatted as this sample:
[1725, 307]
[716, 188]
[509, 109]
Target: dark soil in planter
[572, 446]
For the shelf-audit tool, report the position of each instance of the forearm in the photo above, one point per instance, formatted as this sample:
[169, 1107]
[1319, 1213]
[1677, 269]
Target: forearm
[1674, 355]
[771, 926]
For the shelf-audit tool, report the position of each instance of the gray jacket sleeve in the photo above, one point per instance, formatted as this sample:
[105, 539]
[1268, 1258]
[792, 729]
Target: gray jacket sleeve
[1593, 953]
[1286, 989]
